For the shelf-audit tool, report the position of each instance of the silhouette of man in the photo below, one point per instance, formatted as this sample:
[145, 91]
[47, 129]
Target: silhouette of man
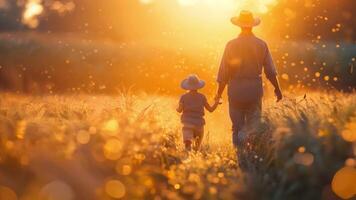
[244, 59]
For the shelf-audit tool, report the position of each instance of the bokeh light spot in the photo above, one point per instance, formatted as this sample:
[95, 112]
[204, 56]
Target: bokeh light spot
[57, 190]
[111, 126]
[344, 183]
[83, 137]
[301, 149]
[115, 189]
[21, 129]
[285, 76]
[349, 133]
[113, 149]
[7, 193]
[350, 162]
[305, 159]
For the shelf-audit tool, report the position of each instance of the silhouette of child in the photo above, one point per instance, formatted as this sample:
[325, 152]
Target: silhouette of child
[192, 105]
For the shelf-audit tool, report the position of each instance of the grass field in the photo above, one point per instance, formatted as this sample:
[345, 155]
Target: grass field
[129, 146]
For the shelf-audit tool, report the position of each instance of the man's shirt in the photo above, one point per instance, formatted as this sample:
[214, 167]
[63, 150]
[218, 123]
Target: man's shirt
[241, 68]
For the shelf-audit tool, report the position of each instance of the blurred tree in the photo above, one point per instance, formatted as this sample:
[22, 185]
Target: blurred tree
[307, 19]
[10, 16]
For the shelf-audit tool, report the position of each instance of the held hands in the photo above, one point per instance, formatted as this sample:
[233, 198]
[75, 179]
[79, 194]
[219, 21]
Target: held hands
[218, 99]
[278, 94]
[214, 106]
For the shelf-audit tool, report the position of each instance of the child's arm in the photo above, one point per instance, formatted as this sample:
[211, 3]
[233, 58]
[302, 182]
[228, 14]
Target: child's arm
[180, 108]
[213, 107]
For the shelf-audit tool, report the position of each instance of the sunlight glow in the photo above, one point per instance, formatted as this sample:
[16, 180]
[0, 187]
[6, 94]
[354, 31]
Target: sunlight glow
[146, 1]
[187, 2]
[33, 9]
[257, 6]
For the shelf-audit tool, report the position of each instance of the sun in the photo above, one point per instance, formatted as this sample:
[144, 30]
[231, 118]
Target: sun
[256, 6]
[220, 8]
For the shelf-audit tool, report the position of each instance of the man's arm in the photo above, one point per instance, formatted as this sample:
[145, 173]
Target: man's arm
[223, 74]
[277, 89]
[271, 74]
[220, 91]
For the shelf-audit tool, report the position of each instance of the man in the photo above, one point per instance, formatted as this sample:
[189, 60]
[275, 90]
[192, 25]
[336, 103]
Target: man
[241, 69]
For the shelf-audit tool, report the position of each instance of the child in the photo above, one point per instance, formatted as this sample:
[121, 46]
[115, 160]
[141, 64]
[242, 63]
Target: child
[192, 105]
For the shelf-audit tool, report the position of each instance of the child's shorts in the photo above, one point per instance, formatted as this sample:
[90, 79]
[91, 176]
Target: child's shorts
[191, 132]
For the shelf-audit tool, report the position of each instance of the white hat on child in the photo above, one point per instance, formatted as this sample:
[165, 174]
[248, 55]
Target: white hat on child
[192, 82]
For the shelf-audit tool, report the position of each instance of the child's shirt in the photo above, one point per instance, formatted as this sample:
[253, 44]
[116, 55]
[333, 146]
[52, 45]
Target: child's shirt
[193, 108]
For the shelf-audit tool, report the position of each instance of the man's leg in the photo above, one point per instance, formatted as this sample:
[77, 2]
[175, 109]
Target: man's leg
[250, 131]
[253, 115]
[238, 121]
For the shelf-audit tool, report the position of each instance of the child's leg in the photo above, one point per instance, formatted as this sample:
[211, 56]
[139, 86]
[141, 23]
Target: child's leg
[188, 145]
[188, 136]
[199, 135]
